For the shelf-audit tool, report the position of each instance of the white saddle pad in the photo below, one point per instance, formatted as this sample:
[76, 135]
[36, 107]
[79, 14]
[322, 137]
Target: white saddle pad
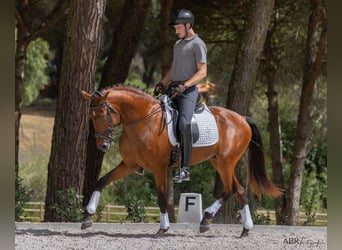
[208, 133]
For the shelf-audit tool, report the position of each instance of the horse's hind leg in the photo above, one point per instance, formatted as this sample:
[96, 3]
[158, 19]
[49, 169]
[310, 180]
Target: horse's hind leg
[117, 173]
[226, 172]
[231, 185]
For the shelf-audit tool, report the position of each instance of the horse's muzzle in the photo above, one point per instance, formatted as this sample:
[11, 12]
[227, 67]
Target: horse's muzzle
[105, 146]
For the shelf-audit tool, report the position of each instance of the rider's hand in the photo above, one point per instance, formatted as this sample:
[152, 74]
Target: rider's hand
[179, 90]
[159, 89]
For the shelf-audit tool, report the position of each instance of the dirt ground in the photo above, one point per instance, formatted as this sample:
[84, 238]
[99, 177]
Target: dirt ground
[180, 236]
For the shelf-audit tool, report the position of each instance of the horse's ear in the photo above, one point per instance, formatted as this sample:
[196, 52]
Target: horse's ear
[86, 95]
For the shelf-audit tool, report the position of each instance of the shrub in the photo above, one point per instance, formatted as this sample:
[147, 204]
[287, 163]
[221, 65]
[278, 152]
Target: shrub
[258, 219]
[69, 205]
[99, 210]
[135, 208]
[21, 197]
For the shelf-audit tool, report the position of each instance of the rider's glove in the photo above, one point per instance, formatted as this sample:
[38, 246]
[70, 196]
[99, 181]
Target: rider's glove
[179, 90]
[159, 89]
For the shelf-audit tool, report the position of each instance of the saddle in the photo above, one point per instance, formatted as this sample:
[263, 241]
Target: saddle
[203, 124]
[194, 127]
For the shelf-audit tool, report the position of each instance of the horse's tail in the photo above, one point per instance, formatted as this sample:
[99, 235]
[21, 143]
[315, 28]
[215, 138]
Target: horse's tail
[258, 180]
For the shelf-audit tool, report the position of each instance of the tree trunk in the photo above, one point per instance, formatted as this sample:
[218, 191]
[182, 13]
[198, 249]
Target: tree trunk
[165, 41]
[20, 62]
[315, 47]
[124, 43]
[93, 166]
[247, 62]
[68, 150]
[166, 61]
[248, 57]
[276, 149]
[24, 36]
[274, 128]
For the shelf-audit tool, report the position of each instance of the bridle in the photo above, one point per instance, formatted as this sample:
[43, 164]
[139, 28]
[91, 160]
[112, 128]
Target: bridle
[111, 132]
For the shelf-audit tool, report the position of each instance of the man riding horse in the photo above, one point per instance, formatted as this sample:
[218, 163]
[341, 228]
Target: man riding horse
[189, 67]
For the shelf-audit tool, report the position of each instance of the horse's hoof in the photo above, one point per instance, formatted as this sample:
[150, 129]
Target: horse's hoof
[160, 233]
[244, 233]
[86, 224]
[204, 228]
[206, 221]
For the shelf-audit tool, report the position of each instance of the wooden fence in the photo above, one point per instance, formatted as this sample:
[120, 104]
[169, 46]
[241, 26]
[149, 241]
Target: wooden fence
[34, 212]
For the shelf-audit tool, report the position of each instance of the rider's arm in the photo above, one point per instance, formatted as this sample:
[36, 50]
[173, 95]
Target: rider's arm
[166, 78]
[198, 76]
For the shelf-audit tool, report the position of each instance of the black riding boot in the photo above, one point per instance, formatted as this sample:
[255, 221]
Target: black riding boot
[183, 174]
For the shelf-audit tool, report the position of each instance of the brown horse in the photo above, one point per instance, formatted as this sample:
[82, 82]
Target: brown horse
[144, 142]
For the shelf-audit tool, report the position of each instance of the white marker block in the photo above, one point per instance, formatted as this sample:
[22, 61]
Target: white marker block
[190, 208]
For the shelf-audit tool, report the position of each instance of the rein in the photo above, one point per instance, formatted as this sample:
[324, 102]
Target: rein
[110, 133]
[147, 116]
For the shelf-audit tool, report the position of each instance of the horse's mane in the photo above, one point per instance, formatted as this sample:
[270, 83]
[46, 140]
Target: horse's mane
[128, 87]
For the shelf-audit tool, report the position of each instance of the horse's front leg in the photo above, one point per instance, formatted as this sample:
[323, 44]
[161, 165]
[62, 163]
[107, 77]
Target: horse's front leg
[117, 173]
[161, 184]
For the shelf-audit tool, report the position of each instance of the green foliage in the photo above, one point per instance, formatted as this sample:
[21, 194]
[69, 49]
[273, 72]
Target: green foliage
[136, 186]
[135, 80]
[99, 210]
[135, 208]
[35, 70]
[314, 194]
[34, 174]
[21, 197]
[69, 205]
[258, 219]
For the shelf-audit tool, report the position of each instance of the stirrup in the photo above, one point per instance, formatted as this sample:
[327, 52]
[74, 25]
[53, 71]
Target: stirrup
[140, 171]
[182, 174]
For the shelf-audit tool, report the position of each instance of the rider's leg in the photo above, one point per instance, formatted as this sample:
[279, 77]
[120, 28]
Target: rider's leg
[186, 105]
[186, 149]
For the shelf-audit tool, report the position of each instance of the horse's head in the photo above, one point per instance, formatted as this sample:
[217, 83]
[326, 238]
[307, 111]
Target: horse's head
[104, 117]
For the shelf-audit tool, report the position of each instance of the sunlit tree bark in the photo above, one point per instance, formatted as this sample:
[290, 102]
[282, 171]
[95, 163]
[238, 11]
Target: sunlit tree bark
[68, 150]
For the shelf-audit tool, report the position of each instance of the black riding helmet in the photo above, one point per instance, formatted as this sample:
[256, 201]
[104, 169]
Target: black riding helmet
[182, 16]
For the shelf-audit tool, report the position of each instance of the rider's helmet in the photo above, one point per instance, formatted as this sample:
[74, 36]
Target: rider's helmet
[182, 16]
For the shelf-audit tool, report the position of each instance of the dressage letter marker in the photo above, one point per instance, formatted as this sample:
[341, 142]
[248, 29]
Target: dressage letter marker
[188, 202]
[190, 208]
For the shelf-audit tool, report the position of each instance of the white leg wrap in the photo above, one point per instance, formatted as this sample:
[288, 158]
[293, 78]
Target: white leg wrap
[247, 221]
[94, 202]
[214, 207]
[164, 221]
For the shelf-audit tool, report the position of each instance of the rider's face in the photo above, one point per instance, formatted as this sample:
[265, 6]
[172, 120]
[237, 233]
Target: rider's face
[180, 30]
